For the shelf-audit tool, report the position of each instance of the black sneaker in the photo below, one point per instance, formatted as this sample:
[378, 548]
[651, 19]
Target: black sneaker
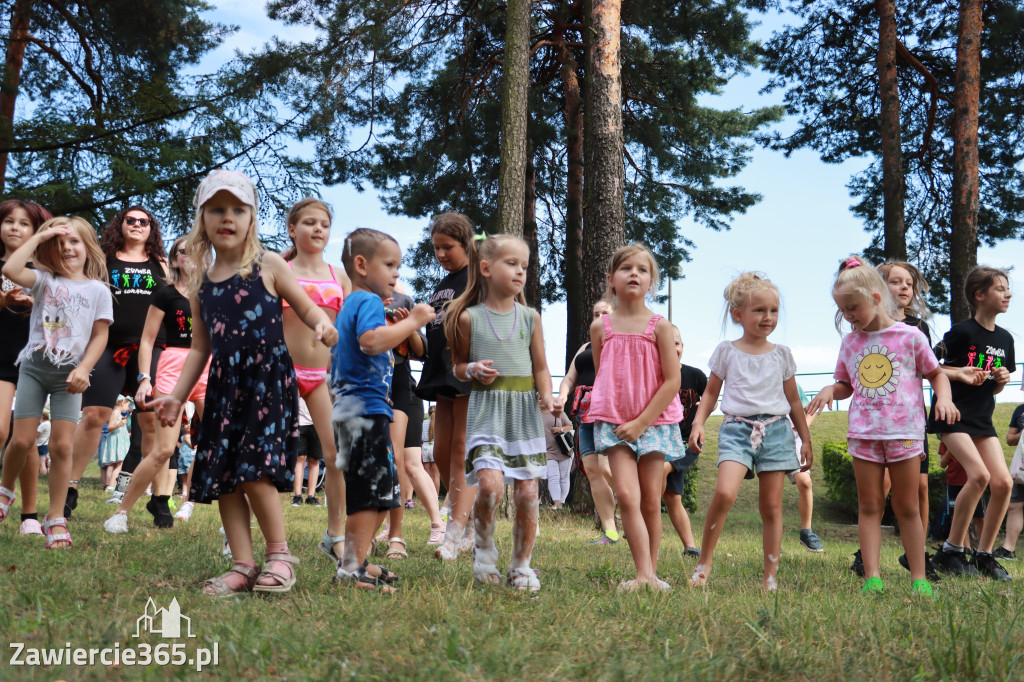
[858, 564]
[929, 567]
[1004, 554]
[987, 566]
[312, 501]
[297, 501]
[71, 502]
[161, 512]
[953, 563]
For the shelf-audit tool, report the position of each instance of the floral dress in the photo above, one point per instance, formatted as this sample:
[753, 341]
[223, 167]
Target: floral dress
[251, 424]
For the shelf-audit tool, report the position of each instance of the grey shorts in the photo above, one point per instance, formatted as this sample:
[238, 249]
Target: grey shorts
[39, 378]
[776, 452]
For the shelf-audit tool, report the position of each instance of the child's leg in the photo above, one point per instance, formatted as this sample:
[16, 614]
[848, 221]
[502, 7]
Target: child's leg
[450, 454]
[423, 484]
[524, 534]
[906, 482]
[266, 505]
[870, 506]
[599, 475]
[23, 441]
[485, 554]
[679, 518]
[61, 434]
[626, 473]
[922, 501]
[805, 498]
[730, 477]
[360, 528]
[962, 446]
[397, 515]
[769, 503]
[234, 516]
[314, 476]
[1000, 485]
[1014, 525]
[650, 475]
[319, 403]
[29, 482]
[300, 467]
[152, 465]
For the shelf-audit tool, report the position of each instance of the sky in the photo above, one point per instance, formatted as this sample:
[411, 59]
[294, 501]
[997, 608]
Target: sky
[796, 234]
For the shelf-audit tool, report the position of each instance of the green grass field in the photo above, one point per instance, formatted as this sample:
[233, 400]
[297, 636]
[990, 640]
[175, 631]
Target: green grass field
[442, 626]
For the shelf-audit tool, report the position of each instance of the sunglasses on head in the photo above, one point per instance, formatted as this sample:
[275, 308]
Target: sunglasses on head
[143, 222]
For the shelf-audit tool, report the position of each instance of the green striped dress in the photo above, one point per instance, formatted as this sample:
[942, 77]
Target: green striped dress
[504, 430]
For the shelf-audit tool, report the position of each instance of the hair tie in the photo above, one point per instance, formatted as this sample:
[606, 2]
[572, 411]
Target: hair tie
[852, 262]
[480, 237]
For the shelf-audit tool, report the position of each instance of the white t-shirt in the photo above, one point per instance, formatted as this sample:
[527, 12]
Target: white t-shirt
[43, 433]
[304, 417]
[753, 383]
[63, 315]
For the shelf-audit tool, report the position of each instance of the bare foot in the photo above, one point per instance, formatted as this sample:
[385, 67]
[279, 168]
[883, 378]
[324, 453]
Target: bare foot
[700, 576]
[768, 583]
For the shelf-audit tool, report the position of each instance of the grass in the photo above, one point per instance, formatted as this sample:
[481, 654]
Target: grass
[442, 626]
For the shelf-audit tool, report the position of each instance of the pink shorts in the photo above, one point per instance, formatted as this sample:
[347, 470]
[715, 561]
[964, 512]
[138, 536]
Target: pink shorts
[308, 378]
[168, 370]
[885, 451]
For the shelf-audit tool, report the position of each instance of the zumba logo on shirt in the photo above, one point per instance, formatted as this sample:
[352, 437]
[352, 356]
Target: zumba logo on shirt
[129, 280]
[184, 320]
[991, 359]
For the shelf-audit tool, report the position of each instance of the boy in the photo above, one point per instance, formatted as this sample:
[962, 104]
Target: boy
[361, 369]
[691, 388]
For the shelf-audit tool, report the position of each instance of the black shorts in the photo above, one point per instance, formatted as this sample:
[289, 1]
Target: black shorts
[952, 491]
[371, 481]
[9, 373]
[309, 443]
[675, 482]
[110, 378]
[1017, 494]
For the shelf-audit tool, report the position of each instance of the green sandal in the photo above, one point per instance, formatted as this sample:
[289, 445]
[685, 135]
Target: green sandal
[873, 585]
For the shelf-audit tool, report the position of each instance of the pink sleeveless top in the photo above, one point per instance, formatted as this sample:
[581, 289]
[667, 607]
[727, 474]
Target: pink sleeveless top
[628, 376]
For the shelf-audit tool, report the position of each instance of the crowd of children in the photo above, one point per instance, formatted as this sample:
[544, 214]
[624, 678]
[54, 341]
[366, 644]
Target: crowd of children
[242, 335]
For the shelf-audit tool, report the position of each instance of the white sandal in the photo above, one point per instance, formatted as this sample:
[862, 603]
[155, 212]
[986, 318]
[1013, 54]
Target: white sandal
[5, 507]
[400, 553]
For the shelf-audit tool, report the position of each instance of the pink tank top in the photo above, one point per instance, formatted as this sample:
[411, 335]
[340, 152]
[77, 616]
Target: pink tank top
[628, 376]
[324, 293]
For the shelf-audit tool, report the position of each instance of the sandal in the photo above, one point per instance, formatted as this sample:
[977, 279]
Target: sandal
[362, 580]
[285, 582]
[523, 579]
[400, 553]
[386, 576]
[6, 506]
[220, 587]
[327, 547]
[53, 538]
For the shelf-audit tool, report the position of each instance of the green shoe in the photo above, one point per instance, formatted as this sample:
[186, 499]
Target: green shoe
[874, 585]
[921, 587]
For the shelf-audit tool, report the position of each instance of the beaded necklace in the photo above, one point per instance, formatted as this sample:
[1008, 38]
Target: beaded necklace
[515, 323]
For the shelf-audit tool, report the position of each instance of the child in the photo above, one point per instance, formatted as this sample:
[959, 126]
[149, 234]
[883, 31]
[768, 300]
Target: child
[309, 228]
[760, 390]
[361, 368]
[497, 343]
[634, 404]
[956, 479]
[248, 435]
[114, 447]
[978, 358]
[1015, 512]
[309, 452]
[692, 383]
[880, 365]
[68, 331]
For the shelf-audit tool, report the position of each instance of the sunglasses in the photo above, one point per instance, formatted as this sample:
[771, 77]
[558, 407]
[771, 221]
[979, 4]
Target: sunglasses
[143, 222]
[178, 252]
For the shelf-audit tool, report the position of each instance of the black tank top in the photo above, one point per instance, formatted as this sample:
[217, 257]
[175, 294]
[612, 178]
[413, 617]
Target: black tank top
[585, 367]
[133, 286]
[14, 321]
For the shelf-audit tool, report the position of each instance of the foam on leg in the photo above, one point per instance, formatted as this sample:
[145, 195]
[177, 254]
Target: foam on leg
[485, 554]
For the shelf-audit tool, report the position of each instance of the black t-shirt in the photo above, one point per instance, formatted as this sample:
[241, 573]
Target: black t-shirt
[402, 352]
[1017, 420]
[133, 287]
[584, 364]
[14, 321]
[920, 324]
[967, 343]
[177, 311]
[437, 379]
[692, 383]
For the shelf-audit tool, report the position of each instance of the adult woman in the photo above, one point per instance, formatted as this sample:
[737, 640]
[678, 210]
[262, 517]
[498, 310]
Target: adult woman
[580, 376]
[137, 265]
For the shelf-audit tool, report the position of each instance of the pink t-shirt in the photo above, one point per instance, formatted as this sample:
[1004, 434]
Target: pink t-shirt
[885, 370]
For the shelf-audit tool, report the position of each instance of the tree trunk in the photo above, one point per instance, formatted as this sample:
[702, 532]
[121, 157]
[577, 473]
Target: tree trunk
[892, 152]
[532, 288]
[21, 13]
[963, 246]
[604, 176]
[577, 313]
[514, 91]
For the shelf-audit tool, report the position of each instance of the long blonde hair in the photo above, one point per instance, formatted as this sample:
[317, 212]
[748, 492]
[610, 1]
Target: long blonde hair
[490, 249]
[200, 250]
[48, 254]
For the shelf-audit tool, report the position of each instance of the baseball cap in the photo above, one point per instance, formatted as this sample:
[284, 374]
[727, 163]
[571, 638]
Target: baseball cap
[237, 183]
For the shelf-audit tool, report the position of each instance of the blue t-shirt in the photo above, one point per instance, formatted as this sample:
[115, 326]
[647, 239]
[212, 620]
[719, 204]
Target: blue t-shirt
[354, 374]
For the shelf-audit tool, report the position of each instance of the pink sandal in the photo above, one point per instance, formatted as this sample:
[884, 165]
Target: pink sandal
[6, 506]
[220, 587]
[53, 538]
[285, 582]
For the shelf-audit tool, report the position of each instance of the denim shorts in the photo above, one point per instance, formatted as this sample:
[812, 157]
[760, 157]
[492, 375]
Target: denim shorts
[586, 437]
[663, 438]
[776, 452]
[38, 378]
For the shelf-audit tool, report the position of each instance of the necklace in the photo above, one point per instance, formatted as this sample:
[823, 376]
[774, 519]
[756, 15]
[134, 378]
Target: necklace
[515, 323]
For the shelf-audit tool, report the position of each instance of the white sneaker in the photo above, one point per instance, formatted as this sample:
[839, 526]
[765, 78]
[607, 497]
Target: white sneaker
[185, 513]
[116, 497]
[227, 548]
[118, 523]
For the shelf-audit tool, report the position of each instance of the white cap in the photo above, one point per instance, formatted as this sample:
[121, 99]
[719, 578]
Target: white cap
[237, 183]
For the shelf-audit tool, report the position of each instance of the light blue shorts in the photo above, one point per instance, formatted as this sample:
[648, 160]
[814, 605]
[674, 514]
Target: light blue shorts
[776, 452]
[586, 436]
[663, 438]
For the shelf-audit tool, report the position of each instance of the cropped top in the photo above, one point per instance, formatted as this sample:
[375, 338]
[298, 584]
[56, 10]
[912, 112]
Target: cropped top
[325, 293]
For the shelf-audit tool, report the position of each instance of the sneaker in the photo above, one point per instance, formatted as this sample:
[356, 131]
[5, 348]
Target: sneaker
[297, 501]
[929, 567]
[873, 585]
[922, 588]
[161, 513]
[116, 497]
[987, 565]
[1004, 554]
[444, 514]
[810, 540]
[436, 534]
[691, 551]
[226, 550]
[857, 567]
[411, 504]
[30, 527]
[118, 523]
[953, 563]
[185, 513]
[312, 501]
[71, 502]
[603, 539]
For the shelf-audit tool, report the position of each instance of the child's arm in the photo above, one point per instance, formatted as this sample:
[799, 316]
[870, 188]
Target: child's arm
[78, 378]
[387, 336]
[468, 371]
[796, 414]
[972, 376]
[945, 410]
[669, 388]
[415, 342]
[285, 285]
[707, 404]
[840, 390]
[154, 318]
[1002, 377]
[944, 460]
[596, 342]
[168, 408]
[15, 268]
[541, 375]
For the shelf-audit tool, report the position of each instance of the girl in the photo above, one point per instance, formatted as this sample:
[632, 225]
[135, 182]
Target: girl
[68, 330]
[497, 343]
[248, 435]
[635, 404]
[309, 228]
[170, 316]
[452, 236]
[18, 221]
[881, 364]
[978, 358]
[114, 445]
[759, 379]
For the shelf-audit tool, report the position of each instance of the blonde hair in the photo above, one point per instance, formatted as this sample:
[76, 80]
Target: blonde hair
[740, 289]
[619, 257]
[200, 249]
[175, 274]
[917, 306]
[48, 254]
[293, 218]
[857, 276]
[490, 249]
